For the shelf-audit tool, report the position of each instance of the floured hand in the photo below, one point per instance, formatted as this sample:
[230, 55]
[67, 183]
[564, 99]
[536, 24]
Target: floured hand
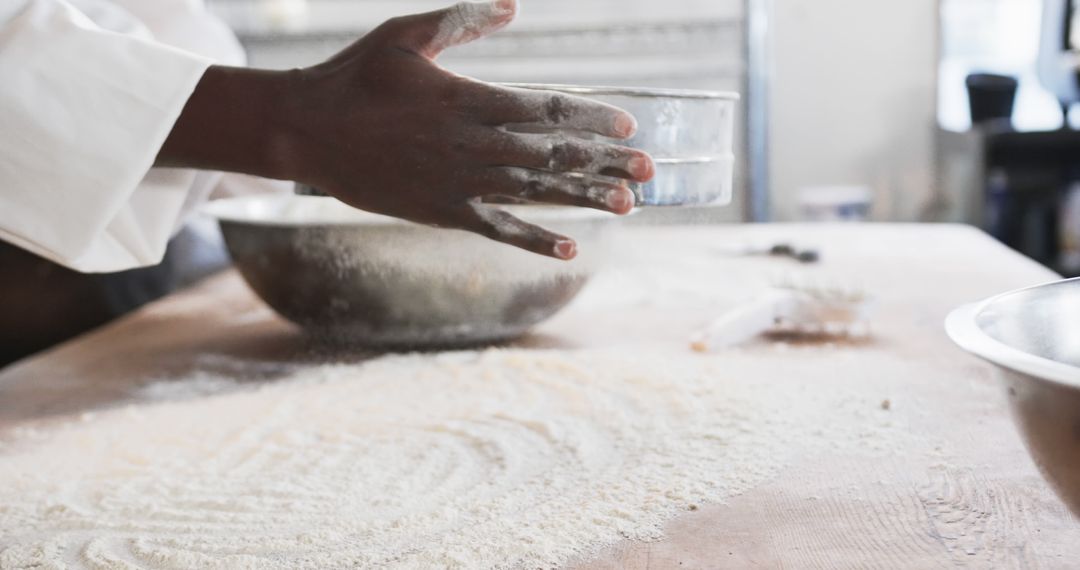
[382, 127]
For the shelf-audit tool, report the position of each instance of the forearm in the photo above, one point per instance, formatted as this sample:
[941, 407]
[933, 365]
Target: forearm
[234, 121]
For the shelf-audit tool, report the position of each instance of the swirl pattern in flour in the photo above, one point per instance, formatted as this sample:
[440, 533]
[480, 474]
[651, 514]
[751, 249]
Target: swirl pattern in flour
[466, 460]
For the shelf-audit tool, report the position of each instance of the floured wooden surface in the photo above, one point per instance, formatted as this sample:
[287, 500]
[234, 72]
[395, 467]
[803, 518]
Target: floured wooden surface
[958, 488]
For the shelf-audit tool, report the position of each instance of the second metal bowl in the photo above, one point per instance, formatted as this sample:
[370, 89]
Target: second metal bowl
[1032, 336]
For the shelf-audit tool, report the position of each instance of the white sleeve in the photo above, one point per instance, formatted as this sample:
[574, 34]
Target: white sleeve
[83, 113]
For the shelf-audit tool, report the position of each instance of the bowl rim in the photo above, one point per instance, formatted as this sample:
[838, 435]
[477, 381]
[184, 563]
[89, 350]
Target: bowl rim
[641, 92]
[961, 327]
[239, 210]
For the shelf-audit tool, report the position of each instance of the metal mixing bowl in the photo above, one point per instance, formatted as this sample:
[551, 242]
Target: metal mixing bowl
[1032, 336]
[689, 134]
[356, 277]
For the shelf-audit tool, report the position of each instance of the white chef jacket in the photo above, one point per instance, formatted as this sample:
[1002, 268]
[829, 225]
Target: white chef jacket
[89, 91]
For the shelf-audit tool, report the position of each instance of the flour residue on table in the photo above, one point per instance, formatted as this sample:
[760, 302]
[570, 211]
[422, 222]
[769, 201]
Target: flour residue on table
[492, 459]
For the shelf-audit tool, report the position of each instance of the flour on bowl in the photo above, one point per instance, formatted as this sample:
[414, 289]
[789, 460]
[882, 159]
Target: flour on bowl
[495, 459]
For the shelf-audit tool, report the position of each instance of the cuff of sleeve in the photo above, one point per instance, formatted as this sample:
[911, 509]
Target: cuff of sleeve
[84, 114]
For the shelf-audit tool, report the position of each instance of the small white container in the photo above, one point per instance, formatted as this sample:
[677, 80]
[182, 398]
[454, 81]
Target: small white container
[835, 203]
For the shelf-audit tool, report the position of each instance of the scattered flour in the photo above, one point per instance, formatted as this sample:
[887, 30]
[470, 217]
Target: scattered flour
[195, 387]
[495, 459]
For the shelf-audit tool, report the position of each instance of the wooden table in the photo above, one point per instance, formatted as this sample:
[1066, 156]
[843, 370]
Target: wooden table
[972, 499]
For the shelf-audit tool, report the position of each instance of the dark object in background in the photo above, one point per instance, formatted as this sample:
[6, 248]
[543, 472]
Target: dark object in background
[43, 304]
[1025, 171]
[802, 256]
[1029, 177]
[991, 96]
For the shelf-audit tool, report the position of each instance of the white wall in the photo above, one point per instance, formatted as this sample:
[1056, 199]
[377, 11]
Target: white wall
[853, 101]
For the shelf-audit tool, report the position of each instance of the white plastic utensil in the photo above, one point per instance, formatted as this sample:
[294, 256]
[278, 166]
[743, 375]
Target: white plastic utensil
[791, 308]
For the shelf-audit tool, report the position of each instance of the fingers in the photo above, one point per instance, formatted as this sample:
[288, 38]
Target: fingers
[513, 105]
[503, 227]
[430, 33]
[564, 154]
[551, 188]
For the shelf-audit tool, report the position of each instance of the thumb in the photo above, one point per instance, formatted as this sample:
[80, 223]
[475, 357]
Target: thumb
[431, 33]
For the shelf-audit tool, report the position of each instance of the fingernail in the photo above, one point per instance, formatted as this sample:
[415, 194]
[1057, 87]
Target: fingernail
[640, 167]
[565, 249]
[625, 125]
[620, 201]
[505, 6]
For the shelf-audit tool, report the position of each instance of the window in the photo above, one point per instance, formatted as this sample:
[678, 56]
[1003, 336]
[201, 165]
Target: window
[997, 36]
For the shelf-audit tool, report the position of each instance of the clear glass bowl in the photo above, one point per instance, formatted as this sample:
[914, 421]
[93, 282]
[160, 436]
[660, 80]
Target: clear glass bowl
[689, 134]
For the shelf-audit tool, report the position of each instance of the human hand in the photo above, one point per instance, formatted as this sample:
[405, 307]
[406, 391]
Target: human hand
[383, 128]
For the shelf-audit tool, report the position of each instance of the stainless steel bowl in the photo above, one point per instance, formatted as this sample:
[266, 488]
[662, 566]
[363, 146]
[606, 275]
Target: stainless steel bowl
[688, 133]
[356, 277]
[1032, 336]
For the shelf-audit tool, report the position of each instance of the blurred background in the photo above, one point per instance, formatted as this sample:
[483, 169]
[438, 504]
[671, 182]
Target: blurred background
[920, 111]
[914, 111]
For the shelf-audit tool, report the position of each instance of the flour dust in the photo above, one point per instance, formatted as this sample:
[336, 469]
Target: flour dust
[494, 459]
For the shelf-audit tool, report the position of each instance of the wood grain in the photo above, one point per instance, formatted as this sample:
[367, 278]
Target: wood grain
[961, 493]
